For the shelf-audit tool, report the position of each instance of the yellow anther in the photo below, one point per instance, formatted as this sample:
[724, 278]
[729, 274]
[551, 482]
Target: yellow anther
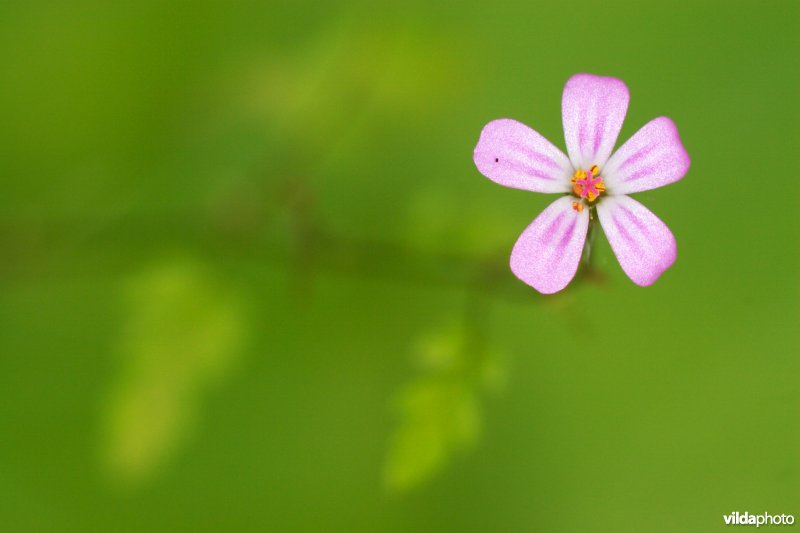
[595, 170]
[577, 206]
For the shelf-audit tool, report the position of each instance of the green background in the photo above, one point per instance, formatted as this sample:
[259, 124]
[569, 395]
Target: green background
[250, 278]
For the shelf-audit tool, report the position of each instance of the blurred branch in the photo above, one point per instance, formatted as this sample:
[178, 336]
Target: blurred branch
[36, 248]
[59, 247]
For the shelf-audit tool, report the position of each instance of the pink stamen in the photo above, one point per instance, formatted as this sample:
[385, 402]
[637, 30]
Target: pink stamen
[588, 185]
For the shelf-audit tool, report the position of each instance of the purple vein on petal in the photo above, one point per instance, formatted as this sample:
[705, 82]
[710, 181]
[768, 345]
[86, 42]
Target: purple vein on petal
[640, 225]
[642, 173]
[528, 170]
[534, 155]
[554, 225]
[567, 237]
[637, 156]
[550, 251]
[633, 243]
[598, 133]
[582, 133]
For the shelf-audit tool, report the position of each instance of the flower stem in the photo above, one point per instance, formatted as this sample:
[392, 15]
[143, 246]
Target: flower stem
[586, 258]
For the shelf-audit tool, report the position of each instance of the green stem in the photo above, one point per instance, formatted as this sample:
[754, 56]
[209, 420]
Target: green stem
[586, 258]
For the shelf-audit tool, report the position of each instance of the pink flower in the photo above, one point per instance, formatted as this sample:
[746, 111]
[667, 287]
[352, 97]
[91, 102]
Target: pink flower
[547, 254]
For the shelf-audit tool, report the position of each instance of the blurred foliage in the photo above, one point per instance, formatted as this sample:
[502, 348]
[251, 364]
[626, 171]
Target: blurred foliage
[439, 410]
[326, 87]
[182, 335]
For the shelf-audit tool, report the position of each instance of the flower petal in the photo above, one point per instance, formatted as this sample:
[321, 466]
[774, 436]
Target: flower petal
[652, 158]
[547, 253]
[592, 109]
[642, 243]
[512, 154]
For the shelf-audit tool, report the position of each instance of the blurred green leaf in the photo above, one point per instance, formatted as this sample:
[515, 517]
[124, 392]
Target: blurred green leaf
[439, 412]
[182, 334]
[438, 419]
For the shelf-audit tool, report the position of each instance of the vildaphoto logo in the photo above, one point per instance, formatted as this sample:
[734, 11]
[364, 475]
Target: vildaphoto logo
[746, 519]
